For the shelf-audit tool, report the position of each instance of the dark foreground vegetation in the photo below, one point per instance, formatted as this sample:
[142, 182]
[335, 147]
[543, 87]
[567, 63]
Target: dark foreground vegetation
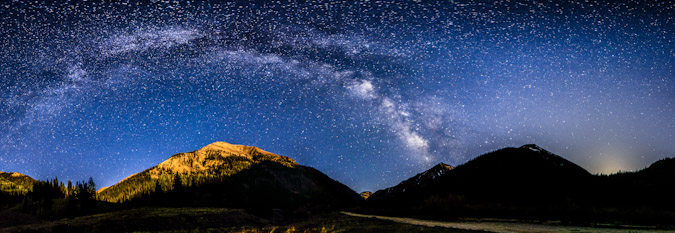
[51, 199]
[297, 190]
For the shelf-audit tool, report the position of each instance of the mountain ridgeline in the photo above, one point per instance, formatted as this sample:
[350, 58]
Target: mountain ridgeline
[223, 174]
[516, 183]
[530, 182]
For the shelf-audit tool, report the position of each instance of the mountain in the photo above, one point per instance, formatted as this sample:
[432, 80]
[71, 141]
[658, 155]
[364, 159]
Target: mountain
[530, 182]
[525, 175]
[664, 168]
[224, 174]
[409, 187]
[528, 176]
[208, 164]
[650, 187]
[14, 182]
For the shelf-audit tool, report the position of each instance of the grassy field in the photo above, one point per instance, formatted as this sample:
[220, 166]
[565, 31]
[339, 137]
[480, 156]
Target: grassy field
[216, 220]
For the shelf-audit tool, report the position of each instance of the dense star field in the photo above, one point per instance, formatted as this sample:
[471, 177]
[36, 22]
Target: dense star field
[369, 92]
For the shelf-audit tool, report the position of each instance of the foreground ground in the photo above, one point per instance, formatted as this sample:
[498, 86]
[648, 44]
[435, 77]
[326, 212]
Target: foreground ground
[216, 220]
[512, 226]
[235, 220]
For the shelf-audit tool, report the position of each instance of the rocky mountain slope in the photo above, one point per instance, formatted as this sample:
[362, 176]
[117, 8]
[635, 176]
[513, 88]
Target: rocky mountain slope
[208, 164]
[223, 174]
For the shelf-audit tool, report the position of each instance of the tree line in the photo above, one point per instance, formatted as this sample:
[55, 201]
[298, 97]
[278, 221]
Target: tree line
[53, 198]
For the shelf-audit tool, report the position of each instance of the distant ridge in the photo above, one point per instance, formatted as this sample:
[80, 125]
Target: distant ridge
[365, 195]
[414, 183]
[14, 182]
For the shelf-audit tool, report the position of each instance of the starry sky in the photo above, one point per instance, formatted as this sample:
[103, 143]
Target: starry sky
[369, 92]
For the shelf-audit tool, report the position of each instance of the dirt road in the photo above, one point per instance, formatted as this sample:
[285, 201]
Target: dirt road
[501, 226]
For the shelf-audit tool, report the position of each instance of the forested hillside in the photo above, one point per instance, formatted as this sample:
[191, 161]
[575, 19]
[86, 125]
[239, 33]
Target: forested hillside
[210, 164]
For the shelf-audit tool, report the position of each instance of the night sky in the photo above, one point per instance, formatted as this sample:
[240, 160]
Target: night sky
[368, 92]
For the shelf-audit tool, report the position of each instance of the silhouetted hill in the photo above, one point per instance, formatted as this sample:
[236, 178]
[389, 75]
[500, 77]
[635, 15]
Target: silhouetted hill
[528, 175]
[223, 174]
[264, 186]
[530, 182]
[651, 187]
[411, 187]
[664, 168]
[525, 175]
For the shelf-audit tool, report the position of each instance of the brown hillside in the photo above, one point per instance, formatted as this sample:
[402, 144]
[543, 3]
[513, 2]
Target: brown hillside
[203, 159]
[14, 182]
[212, 162]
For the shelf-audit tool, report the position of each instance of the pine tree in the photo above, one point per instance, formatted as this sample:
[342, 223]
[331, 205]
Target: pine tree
[177, 184]
[158, 187]
[69, 192]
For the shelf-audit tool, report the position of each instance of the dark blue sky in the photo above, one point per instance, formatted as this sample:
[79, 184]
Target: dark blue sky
[368, 92]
